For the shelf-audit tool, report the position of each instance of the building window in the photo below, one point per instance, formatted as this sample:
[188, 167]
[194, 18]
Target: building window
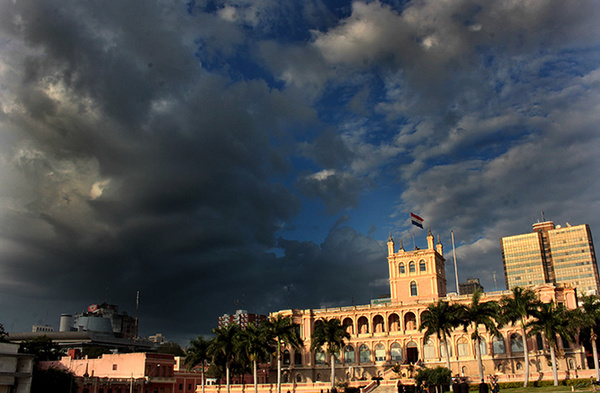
[286, 357]
[483, 346]
[429, 350]
[498, 346]
[516, 343]
[462, 347]
[443, 349]
[422, 266]
[396, 352]
[114, 367]
[349, 354]
[379, 353]
[298, 378]
[378, 324]
[297, 358]
[411, 267]
[364, 354]
[539, 341]
[519, 366]
[363, 325]
[413, 289]
[319, 356]
[401, 268]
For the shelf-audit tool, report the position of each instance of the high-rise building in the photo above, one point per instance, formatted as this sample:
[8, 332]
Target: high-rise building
[469, 287]
[552, 254]
[242, 318]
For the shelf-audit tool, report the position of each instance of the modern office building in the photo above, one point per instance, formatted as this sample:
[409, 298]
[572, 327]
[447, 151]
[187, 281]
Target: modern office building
[469, 287]
[552, 254]
[241, 318]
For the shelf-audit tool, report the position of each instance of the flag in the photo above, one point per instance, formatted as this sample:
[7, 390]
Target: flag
[416, 220]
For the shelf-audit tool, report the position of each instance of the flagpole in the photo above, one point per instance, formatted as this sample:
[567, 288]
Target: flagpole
[455, 266]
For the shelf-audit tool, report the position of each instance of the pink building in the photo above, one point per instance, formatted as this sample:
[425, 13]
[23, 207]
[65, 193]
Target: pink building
[131, 372]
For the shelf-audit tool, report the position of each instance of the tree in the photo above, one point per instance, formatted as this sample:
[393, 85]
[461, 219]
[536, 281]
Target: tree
[440, 319]
[223, 348]
[517, 308]
[478, 314]
[331, 334]
[42, 348]
[255, 342]
[437, 377]
[197, 355]
[588, 318]
[285, 333]
[171, 349]
[552, 322]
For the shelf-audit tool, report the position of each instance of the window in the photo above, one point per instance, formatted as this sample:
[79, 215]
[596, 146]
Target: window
[519, 366]
[114, 367]
[429, 350]
[378, 324]
[411, 267]
[297, 358]
[401, 268]
[516, 343]
[422, 266]
[413, 289]
[498, 346]
[349, 354]
[443, 349]
[286, 357]
[363, 325]
[299, 378]
[319, 356]
[539, 342]
[483, 346]
[396, 352]
[379, 353]
[364, 354]
[462, 347]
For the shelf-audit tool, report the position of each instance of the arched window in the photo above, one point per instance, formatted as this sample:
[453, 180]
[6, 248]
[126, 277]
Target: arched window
[364, 354]
[422, 266]
[348, 325]
[411, 267]
[413, 289]
[319, 356]
[462, 347]
[500, 368]
[401, 268]
[378, 324]
[394, 322]
[363, 325]
[539, 342]
[443, 349]
[571, 364]
[298, 358]
[483, 346]
[519, 366]
[412, 352]
[396, 352]
[286, 357]
[498, 346]
[429, 350]
[516, 343]
[298, 378]
[349, 356]
[379, 353]
[410, 321]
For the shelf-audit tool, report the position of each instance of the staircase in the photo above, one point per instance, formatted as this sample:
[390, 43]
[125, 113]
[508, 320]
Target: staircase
[385, 388]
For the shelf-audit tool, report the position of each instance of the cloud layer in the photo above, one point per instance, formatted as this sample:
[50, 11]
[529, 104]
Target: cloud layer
[235, 154]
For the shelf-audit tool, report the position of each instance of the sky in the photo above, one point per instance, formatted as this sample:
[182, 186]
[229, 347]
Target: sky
[217, 155]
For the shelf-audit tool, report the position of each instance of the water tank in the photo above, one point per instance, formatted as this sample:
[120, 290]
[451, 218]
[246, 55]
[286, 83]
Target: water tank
[65, 323]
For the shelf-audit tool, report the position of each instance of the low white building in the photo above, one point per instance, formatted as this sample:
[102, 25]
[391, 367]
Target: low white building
[15, 369]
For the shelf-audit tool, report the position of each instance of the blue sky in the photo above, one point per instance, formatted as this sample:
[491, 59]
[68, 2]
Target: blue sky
[218, 155]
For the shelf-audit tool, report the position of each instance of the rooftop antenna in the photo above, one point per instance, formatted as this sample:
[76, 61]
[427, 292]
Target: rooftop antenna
[543, 217]
[455, 265]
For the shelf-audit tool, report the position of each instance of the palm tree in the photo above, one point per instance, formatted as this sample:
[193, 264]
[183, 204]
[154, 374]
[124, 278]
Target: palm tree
[440, 319]
[332, 334]
[285, 333]
[517, 308]
[480, 314]
[224, 347]
[553, 322]
[197, 355]
[589, 318]
[255, 343]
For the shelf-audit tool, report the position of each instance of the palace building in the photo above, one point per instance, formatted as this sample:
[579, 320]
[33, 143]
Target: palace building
[385, 333]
